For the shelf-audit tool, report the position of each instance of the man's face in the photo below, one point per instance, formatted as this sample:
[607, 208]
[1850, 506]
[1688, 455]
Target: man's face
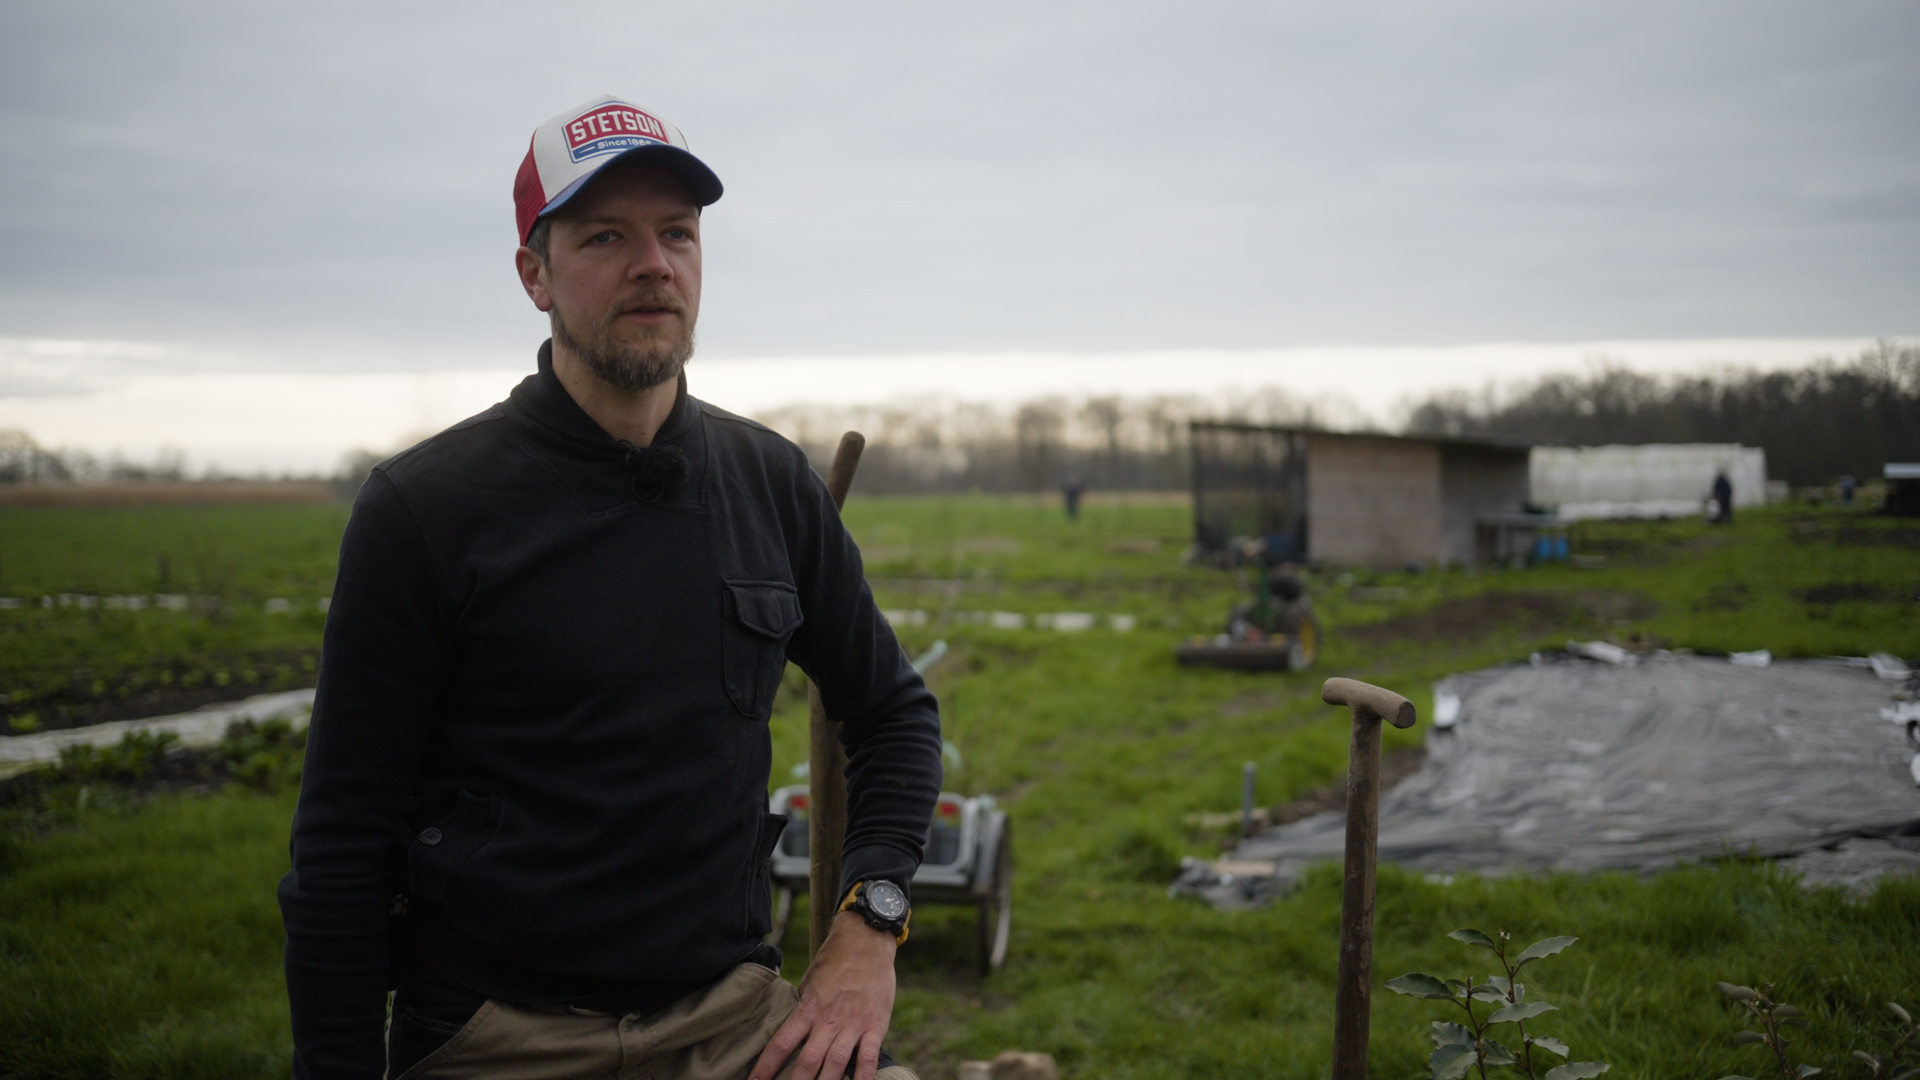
[621, 282]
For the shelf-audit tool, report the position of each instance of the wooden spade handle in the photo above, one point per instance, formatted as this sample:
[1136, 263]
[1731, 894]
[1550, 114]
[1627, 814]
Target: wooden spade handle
[1379, 703]
[826, 758]
[1353, 985]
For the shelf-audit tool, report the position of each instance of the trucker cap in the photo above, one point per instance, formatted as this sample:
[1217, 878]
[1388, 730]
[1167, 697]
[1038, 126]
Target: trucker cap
[569, 149]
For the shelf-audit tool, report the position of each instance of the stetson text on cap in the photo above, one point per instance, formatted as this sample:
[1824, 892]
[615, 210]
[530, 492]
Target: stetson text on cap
[569, 149]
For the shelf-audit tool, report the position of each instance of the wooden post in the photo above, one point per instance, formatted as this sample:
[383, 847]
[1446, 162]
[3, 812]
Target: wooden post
[1353, 986]
[826, 758]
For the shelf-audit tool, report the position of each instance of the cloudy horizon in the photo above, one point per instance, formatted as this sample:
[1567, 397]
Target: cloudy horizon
[143, 402]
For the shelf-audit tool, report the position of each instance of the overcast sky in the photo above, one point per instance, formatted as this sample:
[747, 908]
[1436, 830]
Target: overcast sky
[329, 184]
[983, 200]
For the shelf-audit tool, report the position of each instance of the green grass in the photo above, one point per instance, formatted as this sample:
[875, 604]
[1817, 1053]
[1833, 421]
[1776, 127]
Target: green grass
[1100, 745]
[230, 551]
[147, 944]
[57, 660]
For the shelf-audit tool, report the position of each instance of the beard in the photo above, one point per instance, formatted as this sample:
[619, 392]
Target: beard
[631, 366]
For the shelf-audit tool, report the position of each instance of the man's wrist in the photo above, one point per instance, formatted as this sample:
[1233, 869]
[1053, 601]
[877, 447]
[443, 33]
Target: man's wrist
[848, 922]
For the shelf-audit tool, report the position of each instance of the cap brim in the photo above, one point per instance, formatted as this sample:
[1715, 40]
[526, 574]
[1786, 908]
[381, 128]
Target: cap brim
[701, 182]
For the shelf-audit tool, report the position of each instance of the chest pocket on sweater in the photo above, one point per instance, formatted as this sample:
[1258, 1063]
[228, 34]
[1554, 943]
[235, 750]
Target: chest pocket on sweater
[761, 617]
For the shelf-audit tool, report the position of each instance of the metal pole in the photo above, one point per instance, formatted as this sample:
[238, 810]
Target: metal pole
[1246, 799]
[826, 758]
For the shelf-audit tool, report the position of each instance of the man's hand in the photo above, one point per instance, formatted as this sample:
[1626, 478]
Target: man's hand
[846, 1004]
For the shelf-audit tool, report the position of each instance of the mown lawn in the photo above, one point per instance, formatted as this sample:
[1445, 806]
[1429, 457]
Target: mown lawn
[143, 941]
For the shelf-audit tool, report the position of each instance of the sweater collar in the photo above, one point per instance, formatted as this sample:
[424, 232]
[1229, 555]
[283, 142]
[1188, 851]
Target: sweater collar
[544, 398]
[565, 428]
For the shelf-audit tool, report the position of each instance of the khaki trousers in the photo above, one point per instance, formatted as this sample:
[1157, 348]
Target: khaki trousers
[716, 1034]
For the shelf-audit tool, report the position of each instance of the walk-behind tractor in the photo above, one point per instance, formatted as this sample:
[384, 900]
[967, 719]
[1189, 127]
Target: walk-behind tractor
[1273, 631]
[969, 861]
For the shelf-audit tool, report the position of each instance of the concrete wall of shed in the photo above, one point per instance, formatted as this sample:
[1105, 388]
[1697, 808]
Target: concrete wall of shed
[1475, 481]
[1373, 501]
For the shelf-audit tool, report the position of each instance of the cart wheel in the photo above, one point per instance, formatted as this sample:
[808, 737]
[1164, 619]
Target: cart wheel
[996, 910]
[1305, 645]
[782, 911]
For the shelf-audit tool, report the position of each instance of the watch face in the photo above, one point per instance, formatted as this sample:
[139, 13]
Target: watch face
[886, 899]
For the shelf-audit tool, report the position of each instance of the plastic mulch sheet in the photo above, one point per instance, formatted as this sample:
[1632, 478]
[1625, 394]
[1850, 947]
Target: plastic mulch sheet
[1579, 766]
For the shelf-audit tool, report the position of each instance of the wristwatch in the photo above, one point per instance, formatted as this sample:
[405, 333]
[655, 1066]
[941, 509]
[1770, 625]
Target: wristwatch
[883, 904]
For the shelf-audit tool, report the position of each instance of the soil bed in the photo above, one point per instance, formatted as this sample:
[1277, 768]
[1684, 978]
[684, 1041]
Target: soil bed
[1395, 766]
[1471, 618]
[139, 695]
[1838, 592]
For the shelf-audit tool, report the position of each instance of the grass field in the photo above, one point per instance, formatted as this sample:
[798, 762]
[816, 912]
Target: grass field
[140, 938]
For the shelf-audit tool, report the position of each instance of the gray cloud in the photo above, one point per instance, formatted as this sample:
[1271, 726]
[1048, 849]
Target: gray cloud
[994, 176]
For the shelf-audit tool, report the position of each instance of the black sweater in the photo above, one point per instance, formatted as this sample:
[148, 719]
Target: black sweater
[542, 714]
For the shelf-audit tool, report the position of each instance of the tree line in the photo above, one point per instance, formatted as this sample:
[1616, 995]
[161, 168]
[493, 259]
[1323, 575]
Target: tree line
[24, 461]
[1817, 423]
[1106, 442]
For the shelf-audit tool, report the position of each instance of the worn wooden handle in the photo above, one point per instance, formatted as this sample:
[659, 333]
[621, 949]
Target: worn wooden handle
[1377, 702]
[1353, 981]
[826, 759]
[846, 460]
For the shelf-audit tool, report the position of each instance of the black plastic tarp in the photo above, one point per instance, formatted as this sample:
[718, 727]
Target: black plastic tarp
[1577, 765]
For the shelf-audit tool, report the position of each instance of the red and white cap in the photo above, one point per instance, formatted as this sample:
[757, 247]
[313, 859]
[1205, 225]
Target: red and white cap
[569, 149]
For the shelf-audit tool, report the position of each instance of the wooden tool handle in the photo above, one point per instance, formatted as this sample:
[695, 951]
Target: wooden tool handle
[1376, 702]
[826, 758]
[845, 461]
[1353, 981]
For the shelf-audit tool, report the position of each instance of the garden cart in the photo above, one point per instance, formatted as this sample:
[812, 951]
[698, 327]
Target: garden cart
[969, 861]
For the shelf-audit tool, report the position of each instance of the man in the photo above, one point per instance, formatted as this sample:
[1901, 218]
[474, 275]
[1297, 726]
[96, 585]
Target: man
[535, 792]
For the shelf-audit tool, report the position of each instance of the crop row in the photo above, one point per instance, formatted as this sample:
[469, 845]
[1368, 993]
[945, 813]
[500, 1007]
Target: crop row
[274, 605]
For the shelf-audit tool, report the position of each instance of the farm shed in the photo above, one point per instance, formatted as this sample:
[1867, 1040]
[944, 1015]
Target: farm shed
[1650, 480]
[1903, 488]
[1360, 499]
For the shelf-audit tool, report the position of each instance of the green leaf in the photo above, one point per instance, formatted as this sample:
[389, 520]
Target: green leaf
[1420, 986]
[1809, 1070]
[1794, 1021]
[1506, 985]
[1899, 1012]
[1446, 1033]
[1584, 1070]
[1460, 987]
[1540, 950]
[1862, 1055]
[1489, 992]
[1549, 1044]
[1513, 1014]
[1451, 1062]
[1738, 993]
[1495, 1054]
[1473, 937]
[1748, 1038]
[1787, 1012]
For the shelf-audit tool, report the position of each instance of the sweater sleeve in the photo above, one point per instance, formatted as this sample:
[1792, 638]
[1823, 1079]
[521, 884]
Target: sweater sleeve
[890, 722]
[384, 660]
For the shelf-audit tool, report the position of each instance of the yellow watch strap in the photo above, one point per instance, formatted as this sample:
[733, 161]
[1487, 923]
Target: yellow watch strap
[905, 927]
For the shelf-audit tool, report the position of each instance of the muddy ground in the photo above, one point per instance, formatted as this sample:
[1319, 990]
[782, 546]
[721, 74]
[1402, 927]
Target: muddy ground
[1474, 618]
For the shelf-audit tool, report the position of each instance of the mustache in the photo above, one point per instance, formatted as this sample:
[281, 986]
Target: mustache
[650, 298]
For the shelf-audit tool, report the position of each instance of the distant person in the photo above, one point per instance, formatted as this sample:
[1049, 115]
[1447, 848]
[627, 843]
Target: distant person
[1072, 489]
[535, 794]
[1722, 499]
[1847, 486]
